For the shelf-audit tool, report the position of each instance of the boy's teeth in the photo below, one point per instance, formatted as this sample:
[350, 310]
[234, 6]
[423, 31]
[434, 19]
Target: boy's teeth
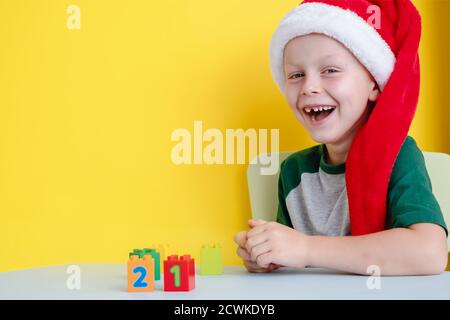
[325, 108]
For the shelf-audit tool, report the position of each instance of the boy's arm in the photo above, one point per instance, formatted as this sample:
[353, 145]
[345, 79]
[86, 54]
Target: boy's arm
[420, 249]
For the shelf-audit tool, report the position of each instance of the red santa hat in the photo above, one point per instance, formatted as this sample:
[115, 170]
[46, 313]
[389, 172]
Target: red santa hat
[388, 48]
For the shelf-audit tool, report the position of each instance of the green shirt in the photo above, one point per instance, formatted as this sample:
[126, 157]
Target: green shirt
[313, 198]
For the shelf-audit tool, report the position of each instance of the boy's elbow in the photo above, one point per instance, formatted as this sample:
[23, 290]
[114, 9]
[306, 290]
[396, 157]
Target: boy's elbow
[433, 253]
[436, 256]
[436, 260]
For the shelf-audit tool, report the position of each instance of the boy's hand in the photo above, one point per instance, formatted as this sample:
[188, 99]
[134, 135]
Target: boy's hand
[241, 239]
[273, 243]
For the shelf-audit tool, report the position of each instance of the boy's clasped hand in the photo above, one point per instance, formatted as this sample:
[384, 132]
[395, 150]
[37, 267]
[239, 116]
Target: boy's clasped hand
[270, 245]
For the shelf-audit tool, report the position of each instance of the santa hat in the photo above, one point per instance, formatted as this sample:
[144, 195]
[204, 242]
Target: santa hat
[389, 51]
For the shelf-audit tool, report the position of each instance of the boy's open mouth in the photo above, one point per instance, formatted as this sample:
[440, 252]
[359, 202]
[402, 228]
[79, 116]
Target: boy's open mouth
[318, 113]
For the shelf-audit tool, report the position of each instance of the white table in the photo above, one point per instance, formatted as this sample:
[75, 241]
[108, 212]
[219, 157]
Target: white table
[109, 281]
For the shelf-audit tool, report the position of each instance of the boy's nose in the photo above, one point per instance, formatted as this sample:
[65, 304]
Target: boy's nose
[310, 86]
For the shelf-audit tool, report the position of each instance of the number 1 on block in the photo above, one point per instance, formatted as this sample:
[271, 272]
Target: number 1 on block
[179, 273]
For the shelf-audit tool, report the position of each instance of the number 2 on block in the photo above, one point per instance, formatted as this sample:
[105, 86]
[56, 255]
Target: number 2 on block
[140, 283]
[175, 270]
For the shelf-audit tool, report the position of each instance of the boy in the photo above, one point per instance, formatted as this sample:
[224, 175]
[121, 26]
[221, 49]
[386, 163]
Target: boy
[363, 196]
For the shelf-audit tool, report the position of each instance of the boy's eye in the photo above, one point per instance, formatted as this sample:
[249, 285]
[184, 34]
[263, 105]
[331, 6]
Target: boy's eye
[331, 70]
[298, 75]
[294, 75]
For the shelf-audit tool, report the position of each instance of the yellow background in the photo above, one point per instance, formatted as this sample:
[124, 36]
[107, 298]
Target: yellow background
[86, 118]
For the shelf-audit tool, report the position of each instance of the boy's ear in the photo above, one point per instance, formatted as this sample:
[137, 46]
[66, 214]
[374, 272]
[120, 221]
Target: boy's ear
[374, 93]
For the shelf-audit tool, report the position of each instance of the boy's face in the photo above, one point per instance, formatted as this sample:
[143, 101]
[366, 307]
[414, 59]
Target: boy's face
[321, 71]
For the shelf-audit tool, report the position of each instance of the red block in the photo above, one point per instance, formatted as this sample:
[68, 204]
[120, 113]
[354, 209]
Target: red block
[179, 273]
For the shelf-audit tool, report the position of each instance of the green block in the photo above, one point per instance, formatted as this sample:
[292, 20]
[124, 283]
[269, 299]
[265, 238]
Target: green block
[156, 258]
[211, 260]
[138, 252]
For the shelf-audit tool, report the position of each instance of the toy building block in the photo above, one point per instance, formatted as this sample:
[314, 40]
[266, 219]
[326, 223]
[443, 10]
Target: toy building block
[179, 273]
[211, 260]
[156, 258]
[161, 248]
[140, 274]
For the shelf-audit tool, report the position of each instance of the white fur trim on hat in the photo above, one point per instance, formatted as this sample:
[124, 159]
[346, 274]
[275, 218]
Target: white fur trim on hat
[343, 25]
